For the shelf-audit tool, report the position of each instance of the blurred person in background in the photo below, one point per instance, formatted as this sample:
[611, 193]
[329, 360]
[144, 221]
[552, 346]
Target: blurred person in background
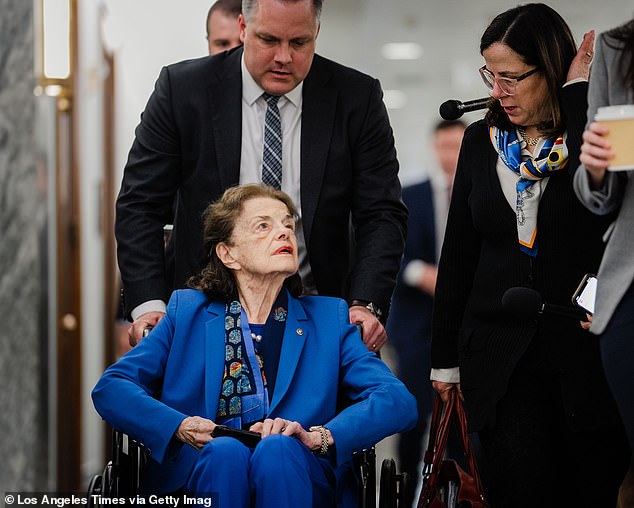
[223, 30]
[409, 323]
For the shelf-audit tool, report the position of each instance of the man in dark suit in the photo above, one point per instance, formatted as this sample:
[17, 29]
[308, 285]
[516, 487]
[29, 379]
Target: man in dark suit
[409, 324]
[202, 131]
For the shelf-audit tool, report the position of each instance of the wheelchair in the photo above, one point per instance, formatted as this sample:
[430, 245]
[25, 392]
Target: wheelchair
[121, 477]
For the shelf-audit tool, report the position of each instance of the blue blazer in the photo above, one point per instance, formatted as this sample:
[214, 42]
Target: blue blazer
[322, 356]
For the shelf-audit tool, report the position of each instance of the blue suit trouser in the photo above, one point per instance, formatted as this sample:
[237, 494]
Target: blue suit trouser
[279, 472]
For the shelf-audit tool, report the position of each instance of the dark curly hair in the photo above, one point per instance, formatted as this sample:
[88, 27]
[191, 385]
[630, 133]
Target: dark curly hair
[543, 39]
[219, 220]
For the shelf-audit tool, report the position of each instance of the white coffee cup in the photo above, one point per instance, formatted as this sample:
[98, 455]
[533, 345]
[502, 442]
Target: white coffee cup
[620, 121]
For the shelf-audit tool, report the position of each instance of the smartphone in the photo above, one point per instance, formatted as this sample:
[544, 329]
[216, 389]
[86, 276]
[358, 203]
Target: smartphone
[586, 293]
[250, 439]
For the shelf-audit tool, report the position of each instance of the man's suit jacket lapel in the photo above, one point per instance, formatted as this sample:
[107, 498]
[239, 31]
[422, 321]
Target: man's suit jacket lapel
[295, 336]
[318, 115]
[225, 106]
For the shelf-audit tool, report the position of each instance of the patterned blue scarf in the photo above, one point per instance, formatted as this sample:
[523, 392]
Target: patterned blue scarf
[244, 386]
[553, 156]
[237, 379]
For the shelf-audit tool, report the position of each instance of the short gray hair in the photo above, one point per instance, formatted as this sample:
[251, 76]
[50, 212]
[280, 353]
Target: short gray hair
[249, 5]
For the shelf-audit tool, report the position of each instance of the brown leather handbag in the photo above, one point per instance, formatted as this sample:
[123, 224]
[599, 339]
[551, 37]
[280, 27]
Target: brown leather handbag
[445, 483]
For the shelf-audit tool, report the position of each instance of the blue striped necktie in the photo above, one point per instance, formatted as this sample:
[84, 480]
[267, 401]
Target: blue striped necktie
[272, 155]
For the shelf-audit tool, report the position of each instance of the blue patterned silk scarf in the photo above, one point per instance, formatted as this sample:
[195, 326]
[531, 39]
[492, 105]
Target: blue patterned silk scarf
[552, 157]
[244, 395]
[238, 378]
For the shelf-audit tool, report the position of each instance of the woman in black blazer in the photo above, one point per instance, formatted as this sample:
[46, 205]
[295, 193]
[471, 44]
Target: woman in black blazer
[533, 385]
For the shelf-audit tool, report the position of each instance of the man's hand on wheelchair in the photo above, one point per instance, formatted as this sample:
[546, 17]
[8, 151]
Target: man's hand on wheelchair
[373, 334]
[147, 320]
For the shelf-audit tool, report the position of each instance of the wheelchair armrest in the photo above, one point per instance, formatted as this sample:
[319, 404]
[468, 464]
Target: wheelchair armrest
[365, 465]
[129, 458]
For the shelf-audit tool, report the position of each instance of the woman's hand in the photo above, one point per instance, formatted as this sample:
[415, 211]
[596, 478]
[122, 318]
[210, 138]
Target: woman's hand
[195, 431]
[580, 65]
[586, 324]
[312, 440]
[276, 426]
[444, 388]
[596, 152]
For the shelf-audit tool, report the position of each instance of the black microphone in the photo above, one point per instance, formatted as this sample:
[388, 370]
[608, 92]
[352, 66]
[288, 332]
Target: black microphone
[453, 109]
[526, 303]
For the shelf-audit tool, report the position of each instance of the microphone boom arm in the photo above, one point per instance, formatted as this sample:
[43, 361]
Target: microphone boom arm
[454, 109]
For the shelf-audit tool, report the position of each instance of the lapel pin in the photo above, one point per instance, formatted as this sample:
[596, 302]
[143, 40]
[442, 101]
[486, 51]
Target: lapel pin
[299, 331]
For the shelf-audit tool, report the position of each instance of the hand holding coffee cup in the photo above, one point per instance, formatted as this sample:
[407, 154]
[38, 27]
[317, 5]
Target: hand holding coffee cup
[596, 153]
[619, 121]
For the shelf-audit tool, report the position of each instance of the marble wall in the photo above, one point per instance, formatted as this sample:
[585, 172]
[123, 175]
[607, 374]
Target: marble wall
[23, 442]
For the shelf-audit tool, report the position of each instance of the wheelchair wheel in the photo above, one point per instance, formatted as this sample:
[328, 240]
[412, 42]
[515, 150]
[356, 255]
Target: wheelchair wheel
[387, 492]
[94, 489]
[405, 494]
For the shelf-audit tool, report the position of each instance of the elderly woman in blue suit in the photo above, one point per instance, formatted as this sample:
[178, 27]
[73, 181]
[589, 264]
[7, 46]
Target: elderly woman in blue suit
[242, 349]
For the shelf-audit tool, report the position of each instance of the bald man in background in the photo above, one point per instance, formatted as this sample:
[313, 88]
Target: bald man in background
[223, 30]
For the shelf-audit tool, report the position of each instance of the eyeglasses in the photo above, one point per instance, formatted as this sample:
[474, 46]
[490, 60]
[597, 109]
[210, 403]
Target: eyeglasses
[507, 85]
